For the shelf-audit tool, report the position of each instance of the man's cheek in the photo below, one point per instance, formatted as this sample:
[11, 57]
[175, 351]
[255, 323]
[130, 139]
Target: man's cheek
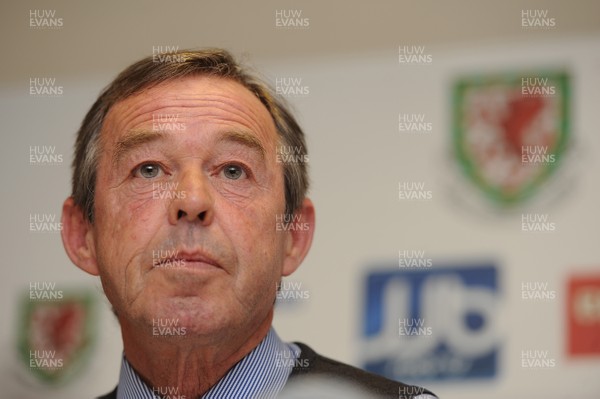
[124, 228]
[259, 228]
[140, 210]
[129, 204]
[240, 199]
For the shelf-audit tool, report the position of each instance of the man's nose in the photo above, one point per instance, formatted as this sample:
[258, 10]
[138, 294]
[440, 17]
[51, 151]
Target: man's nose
[195, 199]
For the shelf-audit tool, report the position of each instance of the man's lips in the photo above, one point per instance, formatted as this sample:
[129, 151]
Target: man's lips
[187, 259]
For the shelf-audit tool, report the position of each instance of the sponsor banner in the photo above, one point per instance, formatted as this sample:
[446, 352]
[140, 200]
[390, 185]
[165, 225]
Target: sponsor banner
[583, 316]
[432, 323]
[511, 132]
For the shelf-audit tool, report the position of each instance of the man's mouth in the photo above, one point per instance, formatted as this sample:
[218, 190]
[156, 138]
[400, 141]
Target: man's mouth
[185, 259]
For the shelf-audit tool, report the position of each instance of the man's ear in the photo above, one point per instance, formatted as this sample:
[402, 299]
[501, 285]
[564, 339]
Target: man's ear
[299, 236]
[77, 237]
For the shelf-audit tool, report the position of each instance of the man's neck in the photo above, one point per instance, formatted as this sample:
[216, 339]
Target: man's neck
[182, 364]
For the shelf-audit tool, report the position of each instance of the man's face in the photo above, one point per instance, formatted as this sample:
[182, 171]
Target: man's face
[187, 195]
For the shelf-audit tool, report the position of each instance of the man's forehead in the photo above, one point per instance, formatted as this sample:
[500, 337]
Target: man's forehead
[189, 97]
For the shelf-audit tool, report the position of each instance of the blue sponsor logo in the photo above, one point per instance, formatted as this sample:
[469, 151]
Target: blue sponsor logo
[438, 323]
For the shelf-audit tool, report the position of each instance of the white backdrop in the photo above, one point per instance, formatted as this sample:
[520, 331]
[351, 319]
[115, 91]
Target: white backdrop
[357, 157]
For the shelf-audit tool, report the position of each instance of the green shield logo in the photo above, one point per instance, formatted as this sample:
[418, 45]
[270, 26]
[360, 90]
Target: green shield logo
[510, 132]
[56, 332]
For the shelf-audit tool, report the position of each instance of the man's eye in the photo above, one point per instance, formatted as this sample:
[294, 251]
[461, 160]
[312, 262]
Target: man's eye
[147, 170]
[233, 172]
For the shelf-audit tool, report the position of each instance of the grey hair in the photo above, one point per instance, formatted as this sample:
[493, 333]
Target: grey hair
[148, 73]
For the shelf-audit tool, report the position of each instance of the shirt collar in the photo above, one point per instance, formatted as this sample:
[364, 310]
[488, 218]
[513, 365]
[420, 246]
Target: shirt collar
[262, 373]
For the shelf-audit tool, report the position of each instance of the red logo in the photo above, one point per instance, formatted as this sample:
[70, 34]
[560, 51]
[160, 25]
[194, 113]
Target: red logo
[583, 313]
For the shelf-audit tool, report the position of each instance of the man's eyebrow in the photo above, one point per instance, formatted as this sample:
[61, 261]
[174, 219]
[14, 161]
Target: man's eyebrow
[245, 139]
[133, 140]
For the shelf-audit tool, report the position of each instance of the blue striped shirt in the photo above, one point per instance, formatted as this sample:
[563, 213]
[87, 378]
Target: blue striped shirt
[262, 373]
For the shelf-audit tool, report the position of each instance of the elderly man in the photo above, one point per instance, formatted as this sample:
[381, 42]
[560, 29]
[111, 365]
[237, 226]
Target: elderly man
[177, 191]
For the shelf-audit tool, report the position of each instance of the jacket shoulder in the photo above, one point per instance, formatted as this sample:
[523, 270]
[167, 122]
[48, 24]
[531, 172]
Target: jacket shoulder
[110, 395]
[311, 364]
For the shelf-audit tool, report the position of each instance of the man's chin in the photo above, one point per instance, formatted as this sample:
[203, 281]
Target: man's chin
[186, 317]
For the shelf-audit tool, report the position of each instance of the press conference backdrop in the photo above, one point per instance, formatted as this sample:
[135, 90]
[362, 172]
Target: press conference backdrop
[422, 268]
